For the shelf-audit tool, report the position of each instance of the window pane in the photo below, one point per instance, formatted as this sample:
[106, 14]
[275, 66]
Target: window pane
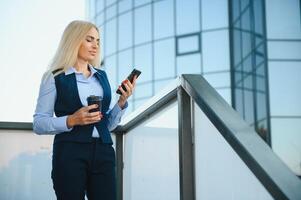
[143, 90]
[124, 5]
[159, 85]
[235, 9]
[286, 141]
[214, 14]
[249, 106]
[125, 37]
[284, 83]
[110, 37]
[239, 105]
[100, 19]
[110, 2]
[189, 64]
[247, 64]
[143, 62]
[111, 12]
[99, 5]
[143, 24]
[164, 59]
[141, 2]
[284, 50]
[112, 76]
[261, 106]
[244, 4]
[258, 16]
[237, 47]
[215, 50]
[188, 16]
[139, 103]
[218, 79]
[246, 42]
[188, 44]
[283, 19]
[246, 24]
[125, 65]
[248, 81]
[226, 94]
[164, 19]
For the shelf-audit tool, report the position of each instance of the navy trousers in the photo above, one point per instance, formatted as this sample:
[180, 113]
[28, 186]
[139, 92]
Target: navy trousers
[80, 169]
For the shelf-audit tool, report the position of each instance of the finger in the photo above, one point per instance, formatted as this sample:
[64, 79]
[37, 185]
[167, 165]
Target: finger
[93, 114]
[127, 82]
[123, 93]
[134, 80]
[91, 107]
[93, 119]
[128, 89]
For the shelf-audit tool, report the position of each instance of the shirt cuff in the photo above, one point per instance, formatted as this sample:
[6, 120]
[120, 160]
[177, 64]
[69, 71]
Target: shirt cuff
[61, 124]
[117, 110]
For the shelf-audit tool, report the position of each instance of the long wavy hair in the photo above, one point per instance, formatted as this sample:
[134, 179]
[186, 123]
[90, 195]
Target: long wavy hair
[67, 52]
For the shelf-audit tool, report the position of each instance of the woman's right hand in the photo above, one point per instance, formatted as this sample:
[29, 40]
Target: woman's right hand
[83, 117]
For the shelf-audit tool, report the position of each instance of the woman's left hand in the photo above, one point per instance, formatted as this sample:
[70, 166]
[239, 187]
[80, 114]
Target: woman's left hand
[126, 94]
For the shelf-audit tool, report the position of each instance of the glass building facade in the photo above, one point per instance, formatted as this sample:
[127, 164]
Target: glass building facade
[248, 50]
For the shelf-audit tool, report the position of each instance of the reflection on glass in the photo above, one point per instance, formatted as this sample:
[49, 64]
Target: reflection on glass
[151, 163]
[164, 59]
[125, 38]
[143, 62]
[125, 64]
[214, 48]
[111, 12]
[159, 85]
[188, 44]
[110, 37]
[218, 79]
[189, 64]
[188, 16]
[286, 141]
[124, 5]
[141, 2]
[143, 24]
[99, 5]
[214, 14]
[25, 166]
[213, 157]
[163, 19]
[143, 90]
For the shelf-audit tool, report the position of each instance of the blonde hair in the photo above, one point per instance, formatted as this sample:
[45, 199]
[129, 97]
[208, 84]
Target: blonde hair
[67, 51]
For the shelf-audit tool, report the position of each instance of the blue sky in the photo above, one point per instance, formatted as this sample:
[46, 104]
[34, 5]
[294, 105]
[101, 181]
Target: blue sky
[30, 33]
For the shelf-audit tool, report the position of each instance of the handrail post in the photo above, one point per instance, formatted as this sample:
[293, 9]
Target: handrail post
[186, 158]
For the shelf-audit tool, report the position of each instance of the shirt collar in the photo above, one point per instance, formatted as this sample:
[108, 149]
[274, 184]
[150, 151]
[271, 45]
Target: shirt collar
[71, 70]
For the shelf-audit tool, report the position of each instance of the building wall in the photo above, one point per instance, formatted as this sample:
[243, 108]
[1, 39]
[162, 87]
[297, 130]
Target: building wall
[261, 42]
[283, 27]
[164, 38]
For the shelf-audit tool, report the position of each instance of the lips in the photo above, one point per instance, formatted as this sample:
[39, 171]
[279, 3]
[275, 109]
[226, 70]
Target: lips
[92, 52]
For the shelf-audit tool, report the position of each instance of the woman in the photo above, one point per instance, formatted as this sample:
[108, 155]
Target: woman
[83, 157]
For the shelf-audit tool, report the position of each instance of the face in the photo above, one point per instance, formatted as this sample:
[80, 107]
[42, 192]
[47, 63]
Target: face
[89, 48]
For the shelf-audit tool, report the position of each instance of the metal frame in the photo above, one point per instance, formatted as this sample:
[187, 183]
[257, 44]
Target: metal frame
[274, 175]
[186, 158]
[16, 125]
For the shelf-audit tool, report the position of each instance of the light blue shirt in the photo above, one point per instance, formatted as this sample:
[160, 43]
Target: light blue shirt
[44, 122]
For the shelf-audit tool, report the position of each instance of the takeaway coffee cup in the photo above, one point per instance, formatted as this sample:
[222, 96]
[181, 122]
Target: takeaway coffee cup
[94, 100]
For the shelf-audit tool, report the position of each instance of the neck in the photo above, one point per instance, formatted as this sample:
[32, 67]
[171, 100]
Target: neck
[81, 65]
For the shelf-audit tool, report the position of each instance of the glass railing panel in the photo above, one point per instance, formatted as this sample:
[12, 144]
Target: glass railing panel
[151, 163]
[25, 166]
[219, 171]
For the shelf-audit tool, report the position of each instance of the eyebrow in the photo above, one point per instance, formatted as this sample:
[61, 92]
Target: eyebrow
[93, 38]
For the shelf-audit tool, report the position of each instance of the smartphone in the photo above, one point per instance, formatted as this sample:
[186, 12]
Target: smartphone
[130, 77]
